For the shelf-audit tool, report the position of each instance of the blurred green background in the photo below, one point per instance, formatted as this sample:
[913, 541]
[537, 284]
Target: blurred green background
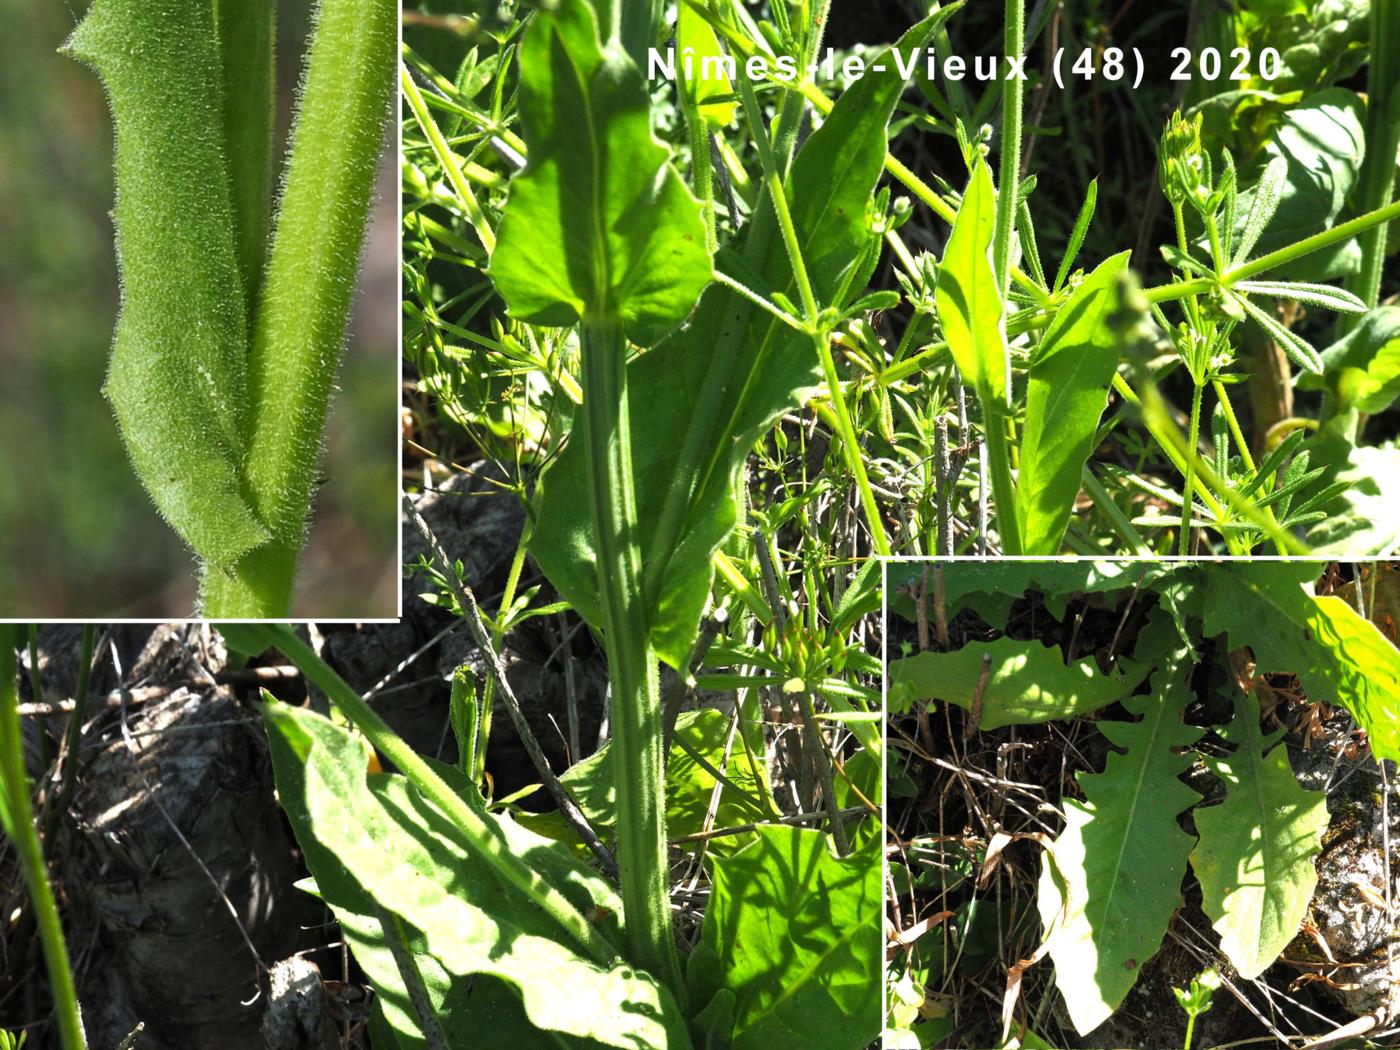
[78, 536]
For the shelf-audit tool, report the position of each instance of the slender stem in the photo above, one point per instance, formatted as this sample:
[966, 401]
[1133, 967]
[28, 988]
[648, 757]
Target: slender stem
[636, 696]
[999, 465]
[1224, 396]
[1009, 179]
[247, 34]
[1188, 502]
[1120, 522]
[498, 634]
[1382, 141]
[19, 824]
[1318, 241]
[850, 444]
[301, 320]
[447, 160]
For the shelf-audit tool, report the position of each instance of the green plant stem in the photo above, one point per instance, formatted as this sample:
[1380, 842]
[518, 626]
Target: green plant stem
[1188, 502]
[850, 444]
[1190, 1030]
[1223, 396]
[247, 33]
[636, 694]
[1318, 241]
[1382, 141]
[301, 320]
[1009, 179]
[702, 173]
[432, 787]
[999, 466]
[19, 823]
[447, 160]
[498, 634]
[1120, 522]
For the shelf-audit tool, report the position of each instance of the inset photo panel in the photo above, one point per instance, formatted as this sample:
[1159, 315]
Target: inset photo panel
[199, 367]
[1142, 805]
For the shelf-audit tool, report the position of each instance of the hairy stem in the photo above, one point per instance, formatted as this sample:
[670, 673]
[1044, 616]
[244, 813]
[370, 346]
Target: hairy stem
[301, 320]
[1188, 502]
[639, 762]
[247, 33]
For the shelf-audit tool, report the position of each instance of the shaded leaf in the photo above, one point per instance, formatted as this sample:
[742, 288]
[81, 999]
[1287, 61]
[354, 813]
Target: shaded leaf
[1066, 393]
[793, 933]
[1255, 855]
[1340, 657]
[1363, 367]
[1027, 682]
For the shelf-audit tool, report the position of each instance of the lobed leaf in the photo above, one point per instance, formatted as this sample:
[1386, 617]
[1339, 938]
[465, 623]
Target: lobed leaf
[1067, 390]
[1026, 682]
[791, 943]
[1255, 856]
[1112, 878]
[177, 381]
[1339, 656]
[598, 224]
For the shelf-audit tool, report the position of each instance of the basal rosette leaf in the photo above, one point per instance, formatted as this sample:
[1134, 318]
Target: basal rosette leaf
[1067, 390]
[598, 223]
[1255, 856]
[1113, 877]
[702, 397]
[791, 943]
[968, 296]
[1340, 657]
[373, 838]
[177, 381]
[1026, 682]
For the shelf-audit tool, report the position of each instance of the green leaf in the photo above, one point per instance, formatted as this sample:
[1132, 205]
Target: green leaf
[1113, 877]
[1263, 205]
[689, 785]
[1321, 142]
[793, 932]
[1255, 855]
[713, 93]
[1363, 367]
[1066, 394]
[178, 377]
[1027, 682]
[1339, 657]
[702, 398]
[375, 838]
[599, 223]
[969, 303]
